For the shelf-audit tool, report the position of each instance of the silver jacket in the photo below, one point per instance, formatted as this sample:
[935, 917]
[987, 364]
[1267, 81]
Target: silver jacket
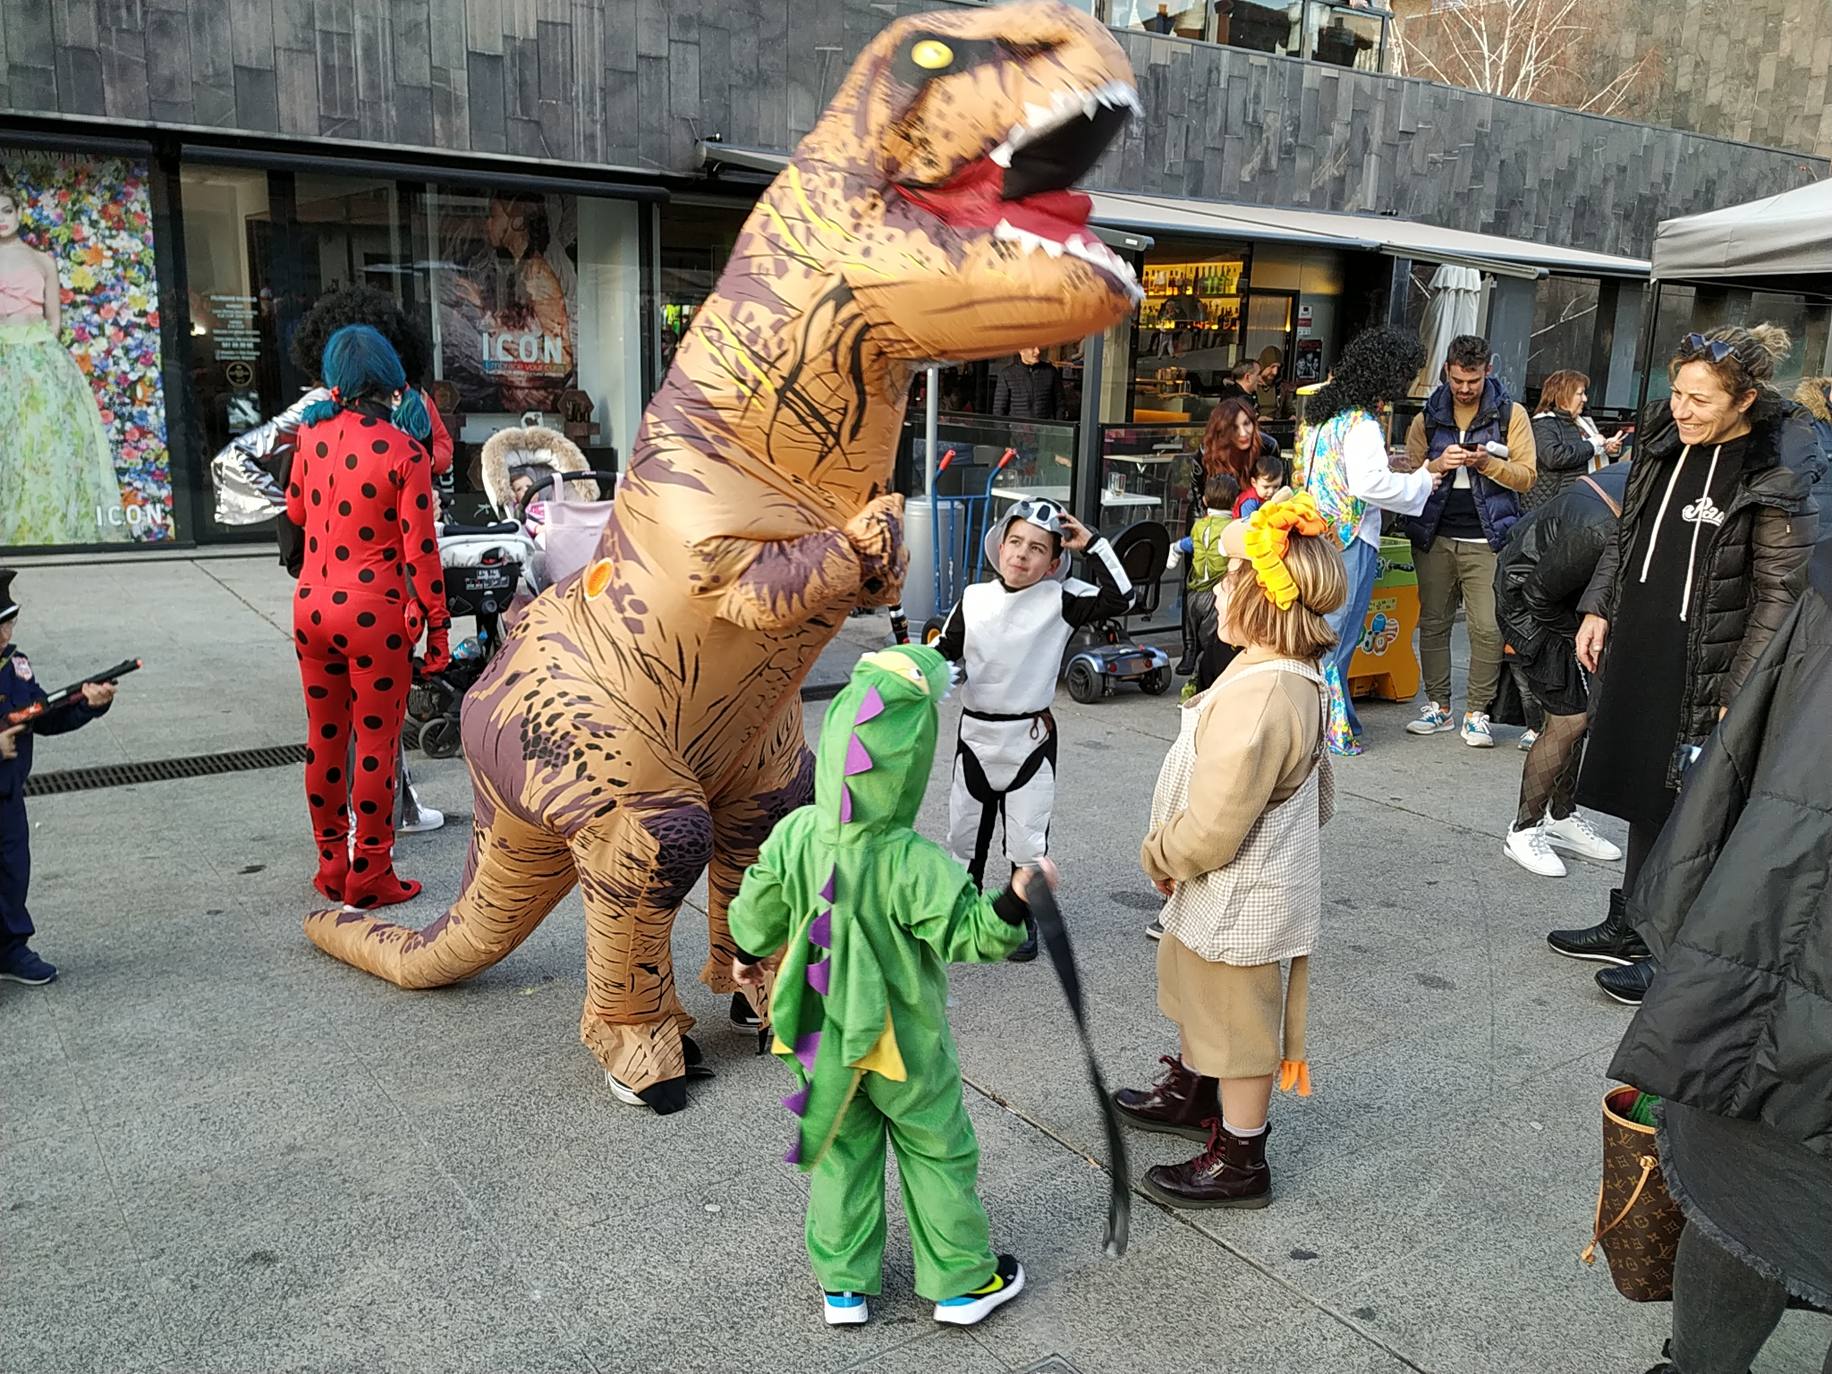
[247, 492]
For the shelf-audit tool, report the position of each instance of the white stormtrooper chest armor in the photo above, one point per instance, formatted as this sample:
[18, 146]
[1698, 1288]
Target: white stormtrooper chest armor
[1013, 645]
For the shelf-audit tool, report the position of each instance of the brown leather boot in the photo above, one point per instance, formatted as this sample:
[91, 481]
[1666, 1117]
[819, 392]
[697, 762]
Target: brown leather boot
[1232, 1172]
[1179, 1103]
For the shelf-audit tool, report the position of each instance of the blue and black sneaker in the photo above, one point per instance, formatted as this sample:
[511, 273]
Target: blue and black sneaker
[847, 1309]
[23, 966]
[1006, 1283]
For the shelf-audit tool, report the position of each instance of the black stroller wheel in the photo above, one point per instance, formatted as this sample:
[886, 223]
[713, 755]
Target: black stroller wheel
[410, 733]
[440, 739]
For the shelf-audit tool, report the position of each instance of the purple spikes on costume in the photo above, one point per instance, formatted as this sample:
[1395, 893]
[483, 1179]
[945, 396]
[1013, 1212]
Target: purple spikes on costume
[794, 1155]
[820, 930]
[806, 1047]
[820, 976]
[857, 760]
[845, 805]
[797, 1102]
[871, 708]
[827, 891]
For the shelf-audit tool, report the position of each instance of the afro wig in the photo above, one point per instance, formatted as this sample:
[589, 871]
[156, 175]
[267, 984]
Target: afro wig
[347, 305]
[1377, 366]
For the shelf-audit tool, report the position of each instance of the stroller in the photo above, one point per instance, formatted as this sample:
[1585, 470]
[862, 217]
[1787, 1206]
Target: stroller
[540, 480]
[1103, 656]
[489, 568]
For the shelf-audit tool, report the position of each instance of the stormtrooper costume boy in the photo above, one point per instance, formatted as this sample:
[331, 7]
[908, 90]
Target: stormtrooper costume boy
[1008, 635]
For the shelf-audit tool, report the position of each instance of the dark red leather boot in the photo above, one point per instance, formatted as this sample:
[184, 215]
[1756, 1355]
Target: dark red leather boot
[1179, 1103]
[1232, 1172]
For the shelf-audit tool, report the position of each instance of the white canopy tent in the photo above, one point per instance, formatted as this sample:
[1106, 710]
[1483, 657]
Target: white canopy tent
[1785, 235]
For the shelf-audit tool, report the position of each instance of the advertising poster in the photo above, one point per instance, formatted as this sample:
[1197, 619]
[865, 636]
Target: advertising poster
[508, 299]
[83, 456]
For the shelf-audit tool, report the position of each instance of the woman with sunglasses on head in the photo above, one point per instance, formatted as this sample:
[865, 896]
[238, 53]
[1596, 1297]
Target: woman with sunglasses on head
[1709, 557]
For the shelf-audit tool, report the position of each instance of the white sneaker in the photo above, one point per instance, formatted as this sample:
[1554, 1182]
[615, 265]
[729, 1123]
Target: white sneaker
[1476, 730]
[846, 1309]
[1574, 836]
[429, 819]
[1527, 740]
[1433, 720]
[1529, 849]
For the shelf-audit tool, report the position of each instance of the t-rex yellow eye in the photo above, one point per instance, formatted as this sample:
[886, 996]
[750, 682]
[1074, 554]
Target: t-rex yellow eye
[931, 54]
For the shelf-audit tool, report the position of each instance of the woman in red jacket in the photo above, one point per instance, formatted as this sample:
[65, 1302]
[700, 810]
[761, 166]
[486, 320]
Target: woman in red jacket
[361, 491]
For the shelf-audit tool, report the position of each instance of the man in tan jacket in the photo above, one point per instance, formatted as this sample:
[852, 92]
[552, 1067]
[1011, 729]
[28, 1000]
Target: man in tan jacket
[1474, 433]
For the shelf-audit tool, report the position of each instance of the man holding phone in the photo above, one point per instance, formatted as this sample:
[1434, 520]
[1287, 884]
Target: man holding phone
[1475, 435]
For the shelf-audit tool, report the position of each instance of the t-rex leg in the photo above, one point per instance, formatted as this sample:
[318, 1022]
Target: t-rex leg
[636, 866]
[748, 808]
[516, 873]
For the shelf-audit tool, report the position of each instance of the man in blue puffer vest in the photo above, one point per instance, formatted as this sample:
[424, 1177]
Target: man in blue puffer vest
[1473, 426]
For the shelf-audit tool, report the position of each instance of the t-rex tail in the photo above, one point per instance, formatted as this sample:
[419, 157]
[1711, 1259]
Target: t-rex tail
[513, 877]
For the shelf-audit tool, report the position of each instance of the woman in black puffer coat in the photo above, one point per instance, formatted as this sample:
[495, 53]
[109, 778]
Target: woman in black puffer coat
[1567, 444]
[1735, 1034]
[1708, 560]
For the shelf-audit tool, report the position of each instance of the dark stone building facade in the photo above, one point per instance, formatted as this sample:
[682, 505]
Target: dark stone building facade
[635, 83]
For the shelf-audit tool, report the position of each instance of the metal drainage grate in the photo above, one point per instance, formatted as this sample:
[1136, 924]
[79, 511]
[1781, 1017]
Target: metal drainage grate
[163, 770]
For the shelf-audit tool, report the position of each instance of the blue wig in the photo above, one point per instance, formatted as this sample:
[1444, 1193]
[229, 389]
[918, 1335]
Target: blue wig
[358, 362]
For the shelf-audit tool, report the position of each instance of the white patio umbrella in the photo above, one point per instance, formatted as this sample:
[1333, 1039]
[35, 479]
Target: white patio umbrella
[1456, 304]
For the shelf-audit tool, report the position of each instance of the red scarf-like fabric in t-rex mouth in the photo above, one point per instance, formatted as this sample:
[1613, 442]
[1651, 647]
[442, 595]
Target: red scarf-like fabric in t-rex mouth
[642, 723]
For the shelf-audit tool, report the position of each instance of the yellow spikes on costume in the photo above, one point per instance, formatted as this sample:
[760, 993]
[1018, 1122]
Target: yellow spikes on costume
[1267, 537]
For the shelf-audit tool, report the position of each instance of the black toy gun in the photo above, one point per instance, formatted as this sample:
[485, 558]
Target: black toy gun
[63, 695]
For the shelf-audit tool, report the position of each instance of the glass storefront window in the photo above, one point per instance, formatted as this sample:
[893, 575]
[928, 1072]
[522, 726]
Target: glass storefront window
[1344, 33]
[237, 344]
[1184, 18]
[1188, 333]
[536, 311]
[84, 458]
[697, 238]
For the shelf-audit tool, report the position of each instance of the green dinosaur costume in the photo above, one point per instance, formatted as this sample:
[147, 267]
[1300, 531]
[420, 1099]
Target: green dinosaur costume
[868, 915]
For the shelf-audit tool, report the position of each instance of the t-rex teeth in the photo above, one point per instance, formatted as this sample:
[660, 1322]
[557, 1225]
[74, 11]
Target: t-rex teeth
[1001, 155]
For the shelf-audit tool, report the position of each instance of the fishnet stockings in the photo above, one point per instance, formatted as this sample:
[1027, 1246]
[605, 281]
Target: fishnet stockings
[1550, 778]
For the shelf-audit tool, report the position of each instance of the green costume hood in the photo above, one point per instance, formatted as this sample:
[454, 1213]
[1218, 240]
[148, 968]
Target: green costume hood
[871, 769]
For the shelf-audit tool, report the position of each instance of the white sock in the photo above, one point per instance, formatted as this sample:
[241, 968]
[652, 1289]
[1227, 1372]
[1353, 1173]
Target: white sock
[1238, 1133]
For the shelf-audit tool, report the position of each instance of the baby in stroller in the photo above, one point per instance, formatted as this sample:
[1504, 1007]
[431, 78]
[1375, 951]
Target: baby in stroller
[548, 520]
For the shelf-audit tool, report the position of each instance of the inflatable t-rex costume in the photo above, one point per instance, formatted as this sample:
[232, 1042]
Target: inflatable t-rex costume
[643, 721]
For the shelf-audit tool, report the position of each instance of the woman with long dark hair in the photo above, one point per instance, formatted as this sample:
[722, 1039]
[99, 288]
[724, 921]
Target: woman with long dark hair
[1709, 558]
[1347, 469]
[361, 489]
[1232, 442]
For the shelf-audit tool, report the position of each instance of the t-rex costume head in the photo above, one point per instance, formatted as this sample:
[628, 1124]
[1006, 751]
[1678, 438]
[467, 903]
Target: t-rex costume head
[642, 723]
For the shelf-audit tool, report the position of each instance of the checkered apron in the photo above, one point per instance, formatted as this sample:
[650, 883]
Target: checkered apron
[1267, 905]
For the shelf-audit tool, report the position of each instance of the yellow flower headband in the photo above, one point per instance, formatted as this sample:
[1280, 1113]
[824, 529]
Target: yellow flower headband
[1268, 535]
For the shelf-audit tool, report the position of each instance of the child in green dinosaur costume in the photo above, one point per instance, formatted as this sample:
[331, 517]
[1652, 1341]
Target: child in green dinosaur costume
[868, 914]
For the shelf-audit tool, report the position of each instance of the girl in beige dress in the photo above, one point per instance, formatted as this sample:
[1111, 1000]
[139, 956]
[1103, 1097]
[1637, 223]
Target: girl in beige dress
[1234, 848]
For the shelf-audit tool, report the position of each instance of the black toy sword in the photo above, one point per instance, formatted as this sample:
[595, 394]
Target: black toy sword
[1055, 935]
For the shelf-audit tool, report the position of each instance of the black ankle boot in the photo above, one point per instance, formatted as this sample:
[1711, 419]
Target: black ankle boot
[1629, 983]
[1232, 1172]
[1612, 942]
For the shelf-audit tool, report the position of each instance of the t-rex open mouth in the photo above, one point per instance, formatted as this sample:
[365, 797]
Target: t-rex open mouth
[1020, 189]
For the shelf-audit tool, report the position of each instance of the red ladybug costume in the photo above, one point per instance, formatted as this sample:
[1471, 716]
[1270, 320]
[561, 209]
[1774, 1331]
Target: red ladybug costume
[361, 490]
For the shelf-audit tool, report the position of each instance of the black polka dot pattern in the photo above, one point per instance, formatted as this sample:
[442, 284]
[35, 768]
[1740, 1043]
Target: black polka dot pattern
[364, 496]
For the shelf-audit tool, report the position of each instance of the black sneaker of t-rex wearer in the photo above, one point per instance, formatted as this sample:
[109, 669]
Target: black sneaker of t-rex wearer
[744, 1015]
[1006, 1283]
[1027, 951]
